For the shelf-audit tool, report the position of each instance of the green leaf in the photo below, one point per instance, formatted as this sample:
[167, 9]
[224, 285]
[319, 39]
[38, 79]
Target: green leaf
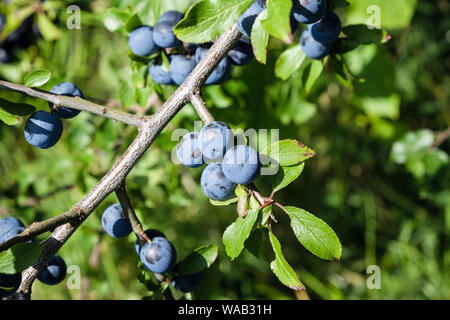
[208, 19]
[153, 10]
[281, 267]
[288, 152]
[341, 72]
[10, 112]
[312, 74]
[289, 62]
[133, 22]
[286, 175]
[223, 203]
[235, 235]
[159, 293]
[254, 204]
[241, 191]
[149, 11]
[344, 45]
[256, 244]
[165, 62]
[265, 214]
[19, 257]
[48, 30]
[37, 78]
[8, 118]
[362, 34]
[141, 59]
[139, 76]
[199, 260]
[277, 22]
[147, 278]
[314, 234]
[115, 19]
[260, 38]
[243, 202]
[243, 205]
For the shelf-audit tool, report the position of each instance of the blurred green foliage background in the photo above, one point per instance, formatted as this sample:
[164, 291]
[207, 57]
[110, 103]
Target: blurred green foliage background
[377, 179]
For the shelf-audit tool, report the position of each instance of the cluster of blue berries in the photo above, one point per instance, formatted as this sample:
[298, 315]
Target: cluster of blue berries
[158, 256]
[229, 164]
[44, 129]
[52, 274]
[149, 41]
[323, 26]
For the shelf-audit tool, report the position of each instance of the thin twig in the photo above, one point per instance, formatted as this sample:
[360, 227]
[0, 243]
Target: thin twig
[128, 209]
[200, 107]
[74, 103]
[279, 205]
[252, 188]
[38, 228]
[441, 139]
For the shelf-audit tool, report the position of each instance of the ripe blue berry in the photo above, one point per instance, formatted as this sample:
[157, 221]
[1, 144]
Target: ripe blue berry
[242, 53]
[8, 223]
[151, 233]
[11, 234]
[247, 19]
[313, 48]
[308, 11]
[54, 272]
[43, 129]
[214, 183]
[214, 139]
[188, 283]
[9, 283]
[115, 223]
[70, 90]
[163, 32]
[141, 41]
[327, 29]
[188, 151]
[171, 15]
[241, 164]
[180, 67]
[158, 256]
[159, 75]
